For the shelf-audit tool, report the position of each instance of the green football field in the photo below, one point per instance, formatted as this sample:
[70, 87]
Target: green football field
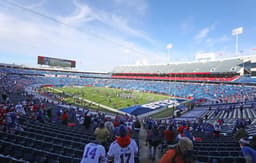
[111, 97]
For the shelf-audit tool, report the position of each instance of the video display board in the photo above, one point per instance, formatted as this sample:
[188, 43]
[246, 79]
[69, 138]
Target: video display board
[55, 62]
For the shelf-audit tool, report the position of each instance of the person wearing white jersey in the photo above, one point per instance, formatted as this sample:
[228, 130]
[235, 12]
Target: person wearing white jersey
[94, 153]
[19, 109]
[129, 124]
[123, 149]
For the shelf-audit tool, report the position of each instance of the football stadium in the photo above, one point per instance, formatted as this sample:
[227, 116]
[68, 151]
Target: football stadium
[122, 108]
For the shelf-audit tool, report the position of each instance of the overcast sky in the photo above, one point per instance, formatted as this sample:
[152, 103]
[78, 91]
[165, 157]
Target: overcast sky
[102, 34]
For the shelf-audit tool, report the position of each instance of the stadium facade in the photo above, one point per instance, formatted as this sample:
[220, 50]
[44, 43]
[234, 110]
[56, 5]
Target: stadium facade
[218, 70]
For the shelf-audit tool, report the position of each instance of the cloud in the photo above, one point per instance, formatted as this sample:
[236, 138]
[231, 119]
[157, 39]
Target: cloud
[23, 36]
[121, 24]
[83, 13]
[203, 33]
[34, 5]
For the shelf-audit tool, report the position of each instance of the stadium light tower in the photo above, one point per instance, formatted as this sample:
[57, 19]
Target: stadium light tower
[168, 47]
[236, 32]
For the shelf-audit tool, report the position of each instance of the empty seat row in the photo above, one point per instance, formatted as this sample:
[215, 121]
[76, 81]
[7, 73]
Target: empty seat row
[41, 145]
[56, 135]
[219, 159]
[75, 129]
[218, 153]
[59, 130]
[209, 148]
[9, 159]
[24, 153]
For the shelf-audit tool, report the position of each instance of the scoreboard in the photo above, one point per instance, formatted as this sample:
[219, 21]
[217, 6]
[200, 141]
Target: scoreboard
[55, 62]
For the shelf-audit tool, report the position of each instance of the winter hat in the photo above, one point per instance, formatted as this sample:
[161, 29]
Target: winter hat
[123, 131]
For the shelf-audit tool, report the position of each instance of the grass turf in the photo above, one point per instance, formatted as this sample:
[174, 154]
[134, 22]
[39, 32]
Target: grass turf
[163, 114]
[112, 97]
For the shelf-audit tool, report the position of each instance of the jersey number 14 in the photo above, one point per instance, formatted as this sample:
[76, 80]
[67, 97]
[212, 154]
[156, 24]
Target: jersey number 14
[90, 152]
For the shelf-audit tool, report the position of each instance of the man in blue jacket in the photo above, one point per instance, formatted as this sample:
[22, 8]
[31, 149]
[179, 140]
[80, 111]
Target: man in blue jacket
[248, 152]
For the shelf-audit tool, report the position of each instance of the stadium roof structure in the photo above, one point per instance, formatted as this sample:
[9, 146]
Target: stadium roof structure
[49, 68]
[229, 65]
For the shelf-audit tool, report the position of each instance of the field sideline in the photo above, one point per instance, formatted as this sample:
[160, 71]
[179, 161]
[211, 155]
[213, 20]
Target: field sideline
[111, 97]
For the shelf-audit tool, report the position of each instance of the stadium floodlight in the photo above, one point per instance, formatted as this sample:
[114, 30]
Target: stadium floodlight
[236, 32]
[169, 46]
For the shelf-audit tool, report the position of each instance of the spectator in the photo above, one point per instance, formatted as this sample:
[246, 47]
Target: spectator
[153, 139]
[72, 115]
[169, 135]
[137, 125]
[116, 122]
[94, 152]
[40, 115]
[240, 133]
[253, 142]
[87, 120]
[19, 109]
[241, 109]
[181, 132]
[4, 97]
[188, 134]
[2, 115]
[217, 128]
[129, 124]
[248, 152]
[109, 125]
[49, 114]
[209, 130]
[183, 152]
[11, 121]
[64, 118]
[102, 134]
[123, 149]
